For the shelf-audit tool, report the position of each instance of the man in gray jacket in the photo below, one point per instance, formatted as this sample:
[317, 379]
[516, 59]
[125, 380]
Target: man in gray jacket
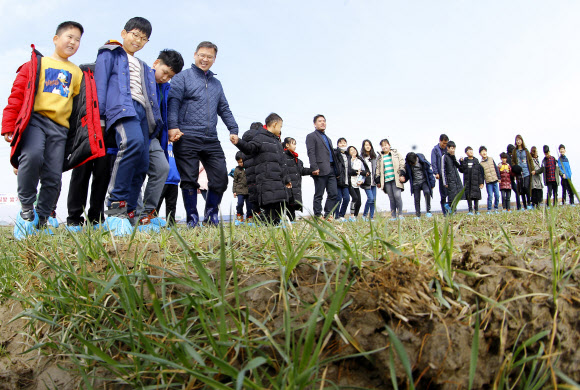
[321, 156]
[195, 100]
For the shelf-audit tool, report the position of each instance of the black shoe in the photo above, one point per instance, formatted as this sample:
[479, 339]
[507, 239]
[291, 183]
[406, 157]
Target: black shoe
[42, 222]
[27, 215]
[117, 209]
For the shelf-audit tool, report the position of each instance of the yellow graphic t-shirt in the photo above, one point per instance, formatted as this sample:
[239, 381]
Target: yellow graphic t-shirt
[58, 83]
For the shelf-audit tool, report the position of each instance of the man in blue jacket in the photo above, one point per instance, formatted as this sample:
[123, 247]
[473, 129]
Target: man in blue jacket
[436, 154]
[195, 101]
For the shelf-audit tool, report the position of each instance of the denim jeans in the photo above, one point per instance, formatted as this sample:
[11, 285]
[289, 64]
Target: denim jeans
[371, 202]
[342, 201]
[492, 192]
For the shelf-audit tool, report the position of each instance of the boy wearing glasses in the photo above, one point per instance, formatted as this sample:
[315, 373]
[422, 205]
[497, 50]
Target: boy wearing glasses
[129, 110]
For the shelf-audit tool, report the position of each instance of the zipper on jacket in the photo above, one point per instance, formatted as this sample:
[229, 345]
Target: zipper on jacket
[207, 99]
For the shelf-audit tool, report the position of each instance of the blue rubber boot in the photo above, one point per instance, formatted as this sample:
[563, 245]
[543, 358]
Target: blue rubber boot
[190, 203]
[212, 208]
[25, 224]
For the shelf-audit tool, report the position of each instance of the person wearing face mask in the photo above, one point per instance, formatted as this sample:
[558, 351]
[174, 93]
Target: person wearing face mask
[343, 194]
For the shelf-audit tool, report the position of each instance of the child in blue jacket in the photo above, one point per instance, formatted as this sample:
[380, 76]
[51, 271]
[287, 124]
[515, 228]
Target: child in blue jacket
[566, 174]
[167, 65]
[129, 108]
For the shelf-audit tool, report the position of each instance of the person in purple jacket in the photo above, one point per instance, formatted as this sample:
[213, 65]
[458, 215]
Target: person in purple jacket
[196, 99]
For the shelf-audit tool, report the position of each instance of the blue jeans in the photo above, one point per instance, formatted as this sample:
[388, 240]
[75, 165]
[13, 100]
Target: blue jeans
[132, 161]
[370, 204]
[240, 207]
[492, 191]
[342, 201]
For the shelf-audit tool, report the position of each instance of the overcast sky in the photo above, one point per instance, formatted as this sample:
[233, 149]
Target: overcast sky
[479, 71]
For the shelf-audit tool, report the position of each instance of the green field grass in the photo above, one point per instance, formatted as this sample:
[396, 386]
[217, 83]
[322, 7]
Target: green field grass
[314, 304]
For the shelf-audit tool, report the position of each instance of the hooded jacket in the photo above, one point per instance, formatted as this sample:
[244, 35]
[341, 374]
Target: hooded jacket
[450, 175]
[427, 172]
[564, 166]
[195, 100]
[112, 78]
[249, 163]
[341, 160]
[270, 169]
[296, 170]
[472, 178]
[84, 139]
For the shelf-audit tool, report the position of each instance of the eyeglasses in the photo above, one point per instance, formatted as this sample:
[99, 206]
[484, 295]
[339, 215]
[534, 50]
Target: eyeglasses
[206, 57]
[138, 37]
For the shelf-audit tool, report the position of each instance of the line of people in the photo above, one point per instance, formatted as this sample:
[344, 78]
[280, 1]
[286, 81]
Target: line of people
[119, 121]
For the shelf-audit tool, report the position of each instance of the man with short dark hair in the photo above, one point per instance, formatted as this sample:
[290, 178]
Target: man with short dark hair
[196, 99]
[321, 157]
[436, 155]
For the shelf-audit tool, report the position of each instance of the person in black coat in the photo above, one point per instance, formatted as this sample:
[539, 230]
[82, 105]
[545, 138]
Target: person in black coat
[249, 165]
[420, 177]
[271, 171]
[451, 179]
[473, 179]
[342, 178]
[296, 170]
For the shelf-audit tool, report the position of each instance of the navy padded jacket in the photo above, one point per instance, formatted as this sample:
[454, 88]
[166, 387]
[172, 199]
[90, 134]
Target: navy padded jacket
[195, 100]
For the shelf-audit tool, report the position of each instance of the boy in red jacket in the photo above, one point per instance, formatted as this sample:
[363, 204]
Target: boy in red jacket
[36, 122]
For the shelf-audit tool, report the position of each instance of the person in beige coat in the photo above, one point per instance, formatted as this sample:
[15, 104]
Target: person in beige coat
[390, 175]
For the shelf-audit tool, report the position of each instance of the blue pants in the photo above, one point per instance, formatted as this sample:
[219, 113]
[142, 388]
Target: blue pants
[132, 162]
[492, 191]
[343, 199]
[371, 201]
[240, 207]
[41, 159]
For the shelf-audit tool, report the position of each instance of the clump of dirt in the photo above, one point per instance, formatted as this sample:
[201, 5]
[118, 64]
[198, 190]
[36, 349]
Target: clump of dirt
[434, 325]
[438, 340]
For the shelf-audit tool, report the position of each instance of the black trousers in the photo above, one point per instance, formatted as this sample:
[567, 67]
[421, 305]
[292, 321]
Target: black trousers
[444, 194]
[355, 201]
[417, 193]
[505, 199]
[566, 188]
[189, 151]
[525, 194]
[515, 190]
[471, 206]
[169, 194]
[537, 195]
[272, 212]
[552, 187]
[324, 183]
[100, 170]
